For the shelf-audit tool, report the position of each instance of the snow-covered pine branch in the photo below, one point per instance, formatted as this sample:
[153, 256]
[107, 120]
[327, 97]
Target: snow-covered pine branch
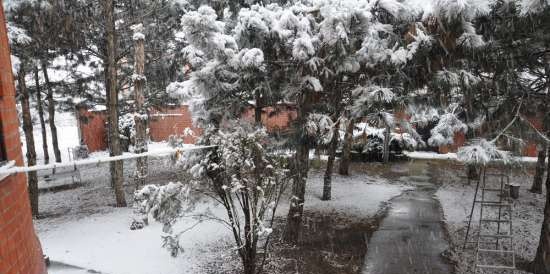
[320, 127]
[482, 152]
[443, 133]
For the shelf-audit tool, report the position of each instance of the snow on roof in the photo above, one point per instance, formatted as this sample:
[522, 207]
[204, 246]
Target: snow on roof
[99, 108]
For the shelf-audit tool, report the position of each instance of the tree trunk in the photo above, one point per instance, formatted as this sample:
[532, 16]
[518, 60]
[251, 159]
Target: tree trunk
[301, 167]
[387, 136]
[346, 149]
[327, 182]
[258, 108]
[539, 170]
[541, 264]
[250, 262]
[29, 139]
[51, 113]
[109, 64]
[141, 114]
[41, 117]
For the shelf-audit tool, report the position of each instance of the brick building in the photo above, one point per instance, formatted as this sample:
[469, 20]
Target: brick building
[168, 121]
[20, 250]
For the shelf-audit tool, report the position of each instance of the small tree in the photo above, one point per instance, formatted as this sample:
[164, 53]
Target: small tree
[252, 184]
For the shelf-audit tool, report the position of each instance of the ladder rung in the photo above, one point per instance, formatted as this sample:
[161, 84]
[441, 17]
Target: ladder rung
[489, 202]
[496, 204]
[496, 251]
[495, 221]
[496, 236]
[481, 242]
[493, 189]
[496, 266]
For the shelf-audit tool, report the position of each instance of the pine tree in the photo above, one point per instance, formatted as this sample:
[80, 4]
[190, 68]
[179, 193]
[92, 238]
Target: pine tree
[20, 43]
[140, 115]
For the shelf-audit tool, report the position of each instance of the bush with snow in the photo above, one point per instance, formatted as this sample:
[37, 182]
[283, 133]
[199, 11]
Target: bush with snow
[244, 177]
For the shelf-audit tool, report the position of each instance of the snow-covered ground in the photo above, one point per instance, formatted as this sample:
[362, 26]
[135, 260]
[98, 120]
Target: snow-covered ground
[67, 135]
[429, 155]
[104, 242]
[84, 230]
[456, 200]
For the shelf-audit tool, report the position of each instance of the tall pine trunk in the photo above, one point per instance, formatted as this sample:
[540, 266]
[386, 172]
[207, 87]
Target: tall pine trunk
[301, 167]
[109, 64]
[51, 112]
[141, 114]
[346, 149]
[29, 139]
[541, 264]
[327, 180]
[539, 170]
[41, 117]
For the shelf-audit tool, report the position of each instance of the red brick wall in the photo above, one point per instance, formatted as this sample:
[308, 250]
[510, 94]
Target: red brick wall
[273, 119]
[20, 250]
[459, 140]
[171, 121]
[530, 148]
[92, 128]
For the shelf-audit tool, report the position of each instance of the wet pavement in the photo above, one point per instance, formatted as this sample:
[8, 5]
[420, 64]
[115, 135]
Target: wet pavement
[411, 238]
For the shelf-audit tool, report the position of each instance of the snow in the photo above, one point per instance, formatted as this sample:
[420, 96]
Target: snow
[67, 135]
[4, 166]
[430, 155]
[102, 241]
[98, 107]
[456, 201]
[358, 195]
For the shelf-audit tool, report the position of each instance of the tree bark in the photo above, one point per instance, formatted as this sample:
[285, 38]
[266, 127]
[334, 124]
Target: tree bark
[41, 117]
[387, 136]
[141, 114]
[541, 263]
[29, 139]
[301, 167]
[51, 112]
[539, 170]
[346, 149]
[327, 180]
[109, 64]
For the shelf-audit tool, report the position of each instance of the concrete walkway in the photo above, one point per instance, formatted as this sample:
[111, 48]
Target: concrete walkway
[411, 238]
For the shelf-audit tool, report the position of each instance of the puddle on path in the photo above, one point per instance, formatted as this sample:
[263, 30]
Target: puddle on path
[411, 237]
[329, 245]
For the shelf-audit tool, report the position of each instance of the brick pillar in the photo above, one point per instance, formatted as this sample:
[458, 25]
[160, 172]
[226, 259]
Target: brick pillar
[20, 251]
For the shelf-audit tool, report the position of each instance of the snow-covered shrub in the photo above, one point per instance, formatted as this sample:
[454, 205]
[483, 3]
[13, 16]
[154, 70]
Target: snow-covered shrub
[127, 127]
[246, 179]
[175, 140]
[164, 204]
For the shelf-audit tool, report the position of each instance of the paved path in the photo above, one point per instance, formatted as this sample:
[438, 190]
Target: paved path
[411, 238]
